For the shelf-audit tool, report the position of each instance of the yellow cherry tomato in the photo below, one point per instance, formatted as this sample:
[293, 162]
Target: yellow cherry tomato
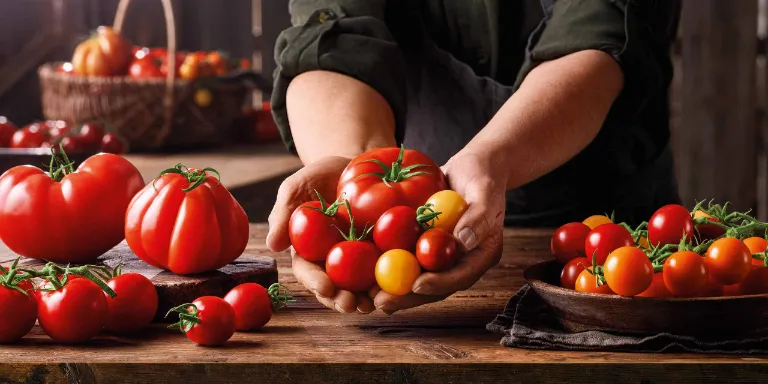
[451, 207]
[643, 242]
[596, 220]
[396, 271]
[203, 97]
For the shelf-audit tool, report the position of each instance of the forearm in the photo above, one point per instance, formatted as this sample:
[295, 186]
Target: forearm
[557, 111]
[331, 114]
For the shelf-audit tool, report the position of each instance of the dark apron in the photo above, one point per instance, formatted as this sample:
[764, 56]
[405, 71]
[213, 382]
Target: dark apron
[448, 104]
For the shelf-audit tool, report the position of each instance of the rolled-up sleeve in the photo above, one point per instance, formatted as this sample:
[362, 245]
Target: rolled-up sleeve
[638, 34]
[344, 36]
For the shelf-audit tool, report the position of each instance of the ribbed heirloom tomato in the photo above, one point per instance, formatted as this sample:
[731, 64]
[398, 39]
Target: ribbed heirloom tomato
[135, 305]
[186, 222]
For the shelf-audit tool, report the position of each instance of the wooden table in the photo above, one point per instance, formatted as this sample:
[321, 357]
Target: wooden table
[444, 342]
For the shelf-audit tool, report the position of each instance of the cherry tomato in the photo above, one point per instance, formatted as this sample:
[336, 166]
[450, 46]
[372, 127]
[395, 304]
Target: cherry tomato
[604, 239]
[7, 129]
[708, 231]
[19, 308]
[314, 229]
[91, 135]
[756, 245]
[72, 145]
[756, 282]
[32, 136]
[669, 224]
[712, 288]
[729, 260]
[436, 250]
[642, 242]
[146, 67]
[685, 273]
[628, 271]
[571, 272]
[217, 63]
[135, 305]
[595, 221]
[586, 282]
[74, 313]
[254, 305]
[396, 271]
[216, 320]
[451, 207]
[731, 290]
[112, 143]
[568, 242]
[397, 228]
[657, 288]
[351, 265]
[57, 129]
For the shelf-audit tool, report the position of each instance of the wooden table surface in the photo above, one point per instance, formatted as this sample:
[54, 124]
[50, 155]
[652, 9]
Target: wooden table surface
[439, 342]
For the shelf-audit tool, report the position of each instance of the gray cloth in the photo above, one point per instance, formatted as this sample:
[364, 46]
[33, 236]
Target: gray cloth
[527, 322]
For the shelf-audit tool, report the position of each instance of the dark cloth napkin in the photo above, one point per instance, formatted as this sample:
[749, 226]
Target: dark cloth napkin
[527, 322]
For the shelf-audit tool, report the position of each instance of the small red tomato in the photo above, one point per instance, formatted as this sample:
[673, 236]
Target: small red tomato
[397, 228]
[254, 305]
[604, 239]
[145, 67]
[351, 265]
[207, 321]
[756, 282]
[18, 305]
[669, 224]
[571, 272]
[135, 305]
[112, 143]
[685, 274]
[628, 271]
[708, 231]
[729, 260]
[74, 313]
[586, 282]
[91, 135]
[57, 128]
[28, 137]
[712, 288]
[568, 242]
[657, 288]
[436, 250]
[7, 129]
[314, 229]
[72, 145]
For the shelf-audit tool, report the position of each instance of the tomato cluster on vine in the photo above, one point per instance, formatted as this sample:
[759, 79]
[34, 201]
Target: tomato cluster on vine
[702, 252]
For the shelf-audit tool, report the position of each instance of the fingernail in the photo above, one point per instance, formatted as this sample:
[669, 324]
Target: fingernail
[314, 291]
[422, 289]
[361, 312]
[467, 238]
[380, 306]
[390, 312]
[338, 308]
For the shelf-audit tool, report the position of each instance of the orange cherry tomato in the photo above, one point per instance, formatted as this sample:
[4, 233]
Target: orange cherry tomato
[596, 220]
[628, 271]
[657, 288]
[685, 273]
[756, 245]
[451, 205]
[396, 271]
[729, 260]
[586, 282]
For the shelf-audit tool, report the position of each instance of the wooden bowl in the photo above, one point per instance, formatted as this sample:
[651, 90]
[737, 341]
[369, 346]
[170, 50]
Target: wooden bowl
[710, 316]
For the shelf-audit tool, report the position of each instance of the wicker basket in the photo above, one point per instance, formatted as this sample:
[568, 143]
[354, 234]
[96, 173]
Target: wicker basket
[151, 114]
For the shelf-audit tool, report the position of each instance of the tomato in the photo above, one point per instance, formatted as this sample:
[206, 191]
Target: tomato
[586, 282]
[58, 129]
[628, 271]
[756, 282]
[396, 271]
[32, 136]
[685, 273]
[756, 245]
[571, 272]
[568, 242]
[387, 177]
[729, 260]
[73, 313]
[314, 229]
[657, 288]
[215, 321]
[642, 242]
[18, 305]
[397, 228]
[7, 129]
[351, 265]
[72, 145]
[146, 67]
[254, 305]
[73, 218]
[669, 224]
[436, 250]
[245, 64]
[731, 290]
[135, 305]
[595, 221]
[190, 67]
[604, 239]
[91, 134]
[707, 231]
[106, 53]
[712, 288]
[217, 63]
[112, 143]
[186, 222]
[451, 207]
[65, 68]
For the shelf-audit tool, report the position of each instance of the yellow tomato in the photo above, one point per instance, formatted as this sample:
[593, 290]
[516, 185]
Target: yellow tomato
[596, 220]
[396, 271]
[643, 242]
[203, 97]
[451, 207]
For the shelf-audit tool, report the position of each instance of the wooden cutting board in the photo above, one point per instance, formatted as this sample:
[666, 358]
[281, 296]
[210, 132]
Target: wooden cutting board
[173, 289]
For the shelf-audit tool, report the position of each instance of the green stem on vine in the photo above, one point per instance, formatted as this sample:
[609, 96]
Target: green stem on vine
[396, 172]
[328, 210]
[188, 317]
[426, 216]
[195, 177]
[10, 278]
[279, 300]
[352, 236]
[52, 272]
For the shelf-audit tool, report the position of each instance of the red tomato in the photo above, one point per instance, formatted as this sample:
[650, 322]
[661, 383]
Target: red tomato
[571, 272]
[729, 260]
[669, 224]
[91, 200]
[731, 290]
[58, 129]
[135, 305]
[657, 288]
[383, 178]
[74, 313]
[586, 282]
[215, 320]
[112, 143]
[32, 136]
[756, 282]
[628, 271]
[436, 250]
[186, 222]
[712, 288]
[145, 67]
[72, 145]
[351, 265]
[685, 273]
[314, 229]
[19, 307]
[91, 135]
[568, 242]
[708, 231]
[604, 239]
[397, 228]
[254, 305]
[7, 129]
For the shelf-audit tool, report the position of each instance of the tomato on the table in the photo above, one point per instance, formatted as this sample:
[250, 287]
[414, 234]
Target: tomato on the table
[669, 224]
[587, 282]
[57, 129]
[7, 129]
[72, 145]
[397, 228]
[314, 228]
[72, 313]
[729, 260]
[657, 288]
[91, 134]
[571, 272]
[604, 239]
[708, 231]
[436, 250]
[568, 242]
[685, 273]
[451, 207]
[254, 305]
[135, 305]
[207, 321]
[112, 143]
[19, 308]
[187, 222]
[396, 271]
[387, 177]
[32, 136]
[628, 271]
[595, 221]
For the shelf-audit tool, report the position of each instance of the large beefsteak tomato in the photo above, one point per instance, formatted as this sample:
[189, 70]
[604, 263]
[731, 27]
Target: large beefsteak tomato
[106, 53]
[186, 222]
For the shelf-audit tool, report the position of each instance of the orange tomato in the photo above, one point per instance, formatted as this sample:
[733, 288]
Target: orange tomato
[685, 273]
[396, 271]
[104, 54]
[729, 260]
[596, 220]
[217, 63]
[657, 288]
[756, 245]
[628, 271]
[586, 282]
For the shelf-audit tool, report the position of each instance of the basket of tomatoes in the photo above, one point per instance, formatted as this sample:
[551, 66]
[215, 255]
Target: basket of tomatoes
[688, 272]
[154, 97]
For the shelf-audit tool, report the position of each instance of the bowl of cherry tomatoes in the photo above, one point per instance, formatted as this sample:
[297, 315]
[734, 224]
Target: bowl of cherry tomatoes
[687, 272]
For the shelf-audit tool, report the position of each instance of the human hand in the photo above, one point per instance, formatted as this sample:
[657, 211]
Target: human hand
[479, 233]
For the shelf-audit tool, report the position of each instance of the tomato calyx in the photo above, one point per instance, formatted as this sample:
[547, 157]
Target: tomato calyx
[325, 209]
[596, 271]
[279, 300]
[352, 235]
[188, 317]
[10, 278]
[396, 172]
[426, 216]
[195, 177]
[60, 165]
[57, 277]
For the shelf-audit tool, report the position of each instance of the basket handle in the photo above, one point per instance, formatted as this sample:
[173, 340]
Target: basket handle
[170, 26]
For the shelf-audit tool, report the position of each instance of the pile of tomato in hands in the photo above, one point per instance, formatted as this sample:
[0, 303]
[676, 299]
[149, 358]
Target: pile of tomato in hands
[705, 252]
[394, 218]
[86, 138]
